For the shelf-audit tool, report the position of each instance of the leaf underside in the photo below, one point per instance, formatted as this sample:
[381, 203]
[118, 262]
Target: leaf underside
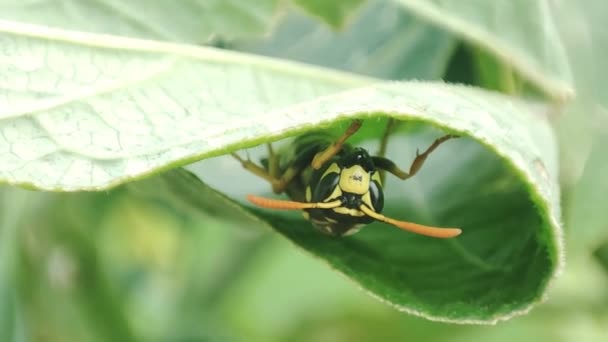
[498, 266]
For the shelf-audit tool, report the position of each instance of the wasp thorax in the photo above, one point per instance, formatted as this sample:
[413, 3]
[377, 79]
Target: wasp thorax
[355, 180]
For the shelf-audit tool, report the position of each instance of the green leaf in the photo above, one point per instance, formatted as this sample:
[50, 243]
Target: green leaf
[100, 110]
[587, 217]
[500, 187]
[382, 41]
[182, 21]
[581, 28]
[583, 125]
[521, 34]
[64, 292]
[156, 106]
[180, 188]
[12, 205]
[335, 13]
[601, 255]
[492, 74]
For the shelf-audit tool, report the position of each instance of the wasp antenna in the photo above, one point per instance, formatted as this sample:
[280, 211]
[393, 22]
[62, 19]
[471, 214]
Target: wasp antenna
[436, 232]
[270, 203]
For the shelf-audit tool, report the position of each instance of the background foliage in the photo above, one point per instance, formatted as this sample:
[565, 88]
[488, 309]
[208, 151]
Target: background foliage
[124, 265]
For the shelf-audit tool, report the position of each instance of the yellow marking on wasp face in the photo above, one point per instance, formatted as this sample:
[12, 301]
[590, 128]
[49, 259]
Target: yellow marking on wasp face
[334, 194]
[308, 194]
[333, 168]
[306, 215]
[367, 199]
[376, 177]
[354, 180]
[347, 211]
[330, 220]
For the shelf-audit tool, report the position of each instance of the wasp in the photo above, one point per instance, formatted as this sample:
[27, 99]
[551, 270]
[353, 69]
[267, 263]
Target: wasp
[337, 186]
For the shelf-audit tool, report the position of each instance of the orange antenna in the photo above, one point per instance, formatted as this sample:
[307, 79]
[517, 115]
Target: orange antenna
[290, 205]
[437, 232]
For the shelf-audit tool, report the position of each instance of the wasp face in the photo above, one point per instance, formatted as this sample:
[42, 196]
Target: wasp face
[353, 179]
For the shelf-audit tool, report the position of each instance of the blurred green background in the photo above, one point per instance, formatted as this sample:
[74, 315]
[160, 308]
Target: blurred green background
[119, 266]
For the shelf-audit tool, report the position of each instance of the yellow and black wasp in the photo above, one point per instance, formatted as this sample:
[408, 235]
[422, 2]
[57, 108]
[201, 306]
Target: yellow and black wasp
[338, 186]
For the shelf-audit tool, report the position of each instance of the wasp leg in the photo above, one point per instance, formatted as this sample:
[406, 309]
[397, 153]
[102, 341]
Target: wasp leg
[273, 162]
[279, 183]
[390, 126]
[386, 164]
[333, 149]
